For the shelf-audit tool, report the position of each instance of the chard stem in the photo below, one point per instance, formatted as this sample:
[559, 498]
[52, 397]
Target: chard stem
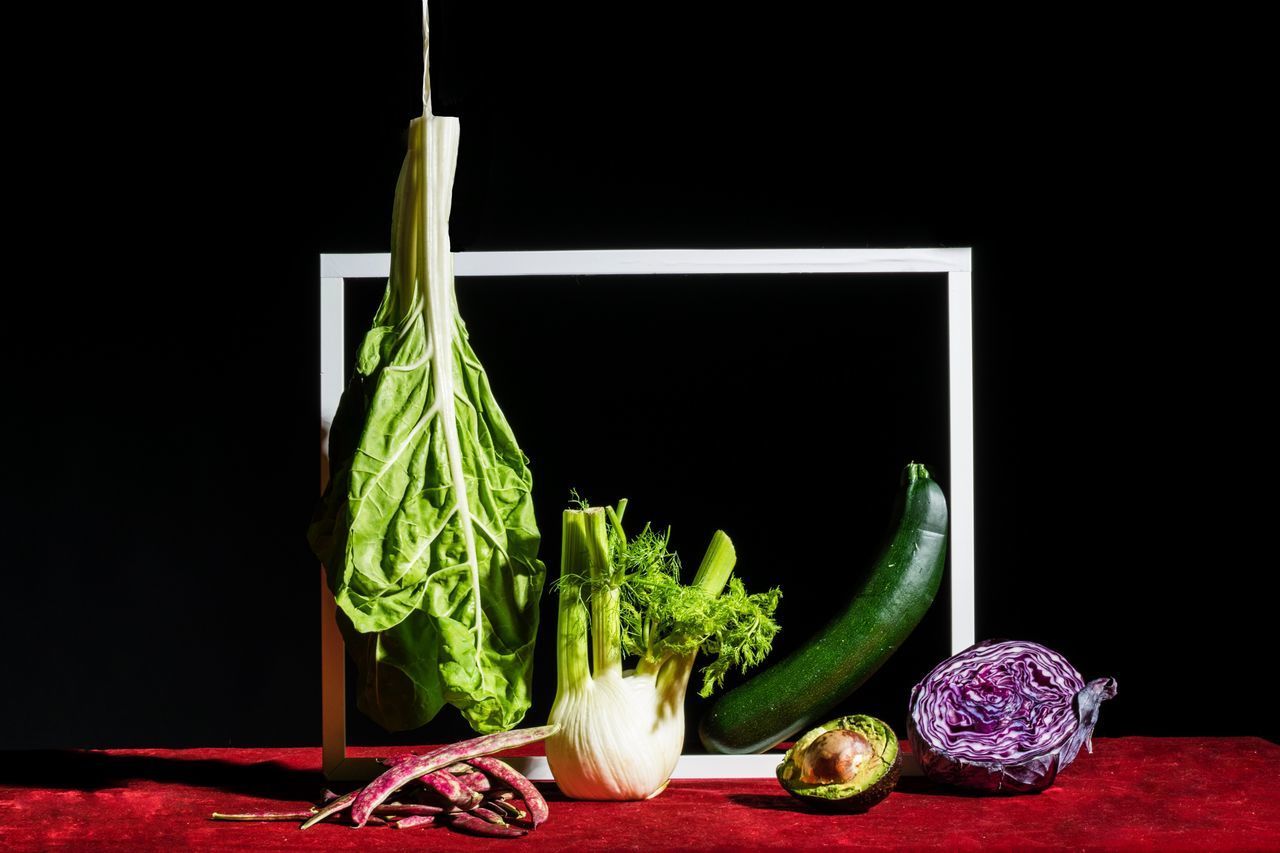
[606, 616]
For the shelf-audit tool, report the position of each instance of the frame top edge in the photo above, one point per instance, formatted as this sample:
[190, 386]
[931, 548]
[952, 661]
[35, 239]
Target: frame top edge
[667, 261]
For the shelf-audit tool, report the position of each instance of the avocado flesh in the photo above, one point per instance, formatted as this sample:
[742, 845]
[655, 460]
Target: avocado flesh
[869, 782]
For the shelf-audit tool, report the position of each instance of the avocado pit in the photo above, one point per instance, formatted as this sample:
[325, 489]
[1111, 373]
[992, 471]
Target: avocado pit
[849, 764]
[835, 756]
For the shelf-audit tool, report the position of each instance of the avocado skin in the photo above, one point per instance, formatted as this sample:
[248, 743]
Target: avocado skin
[854, 802]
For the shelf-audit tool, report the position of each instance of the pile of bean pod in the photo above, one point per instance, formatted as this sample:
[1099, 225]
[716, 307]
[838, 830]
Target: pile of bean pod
[460, 785]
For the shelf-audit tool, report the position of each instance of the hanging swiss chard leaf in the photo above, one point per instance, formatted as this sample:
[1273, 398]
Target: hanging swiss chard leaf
[427, 527]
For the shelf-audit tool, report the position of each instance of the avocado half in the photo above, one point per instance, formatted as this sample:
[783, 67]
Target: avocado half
[848, 764]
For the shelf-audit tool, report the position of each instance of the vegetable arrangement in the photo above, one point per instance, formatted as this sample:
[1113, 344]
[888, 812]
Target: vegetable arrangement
[427, 528]
[1003, 716]
[427, 533]
[460, 786]
[621, 733]
[789, 695]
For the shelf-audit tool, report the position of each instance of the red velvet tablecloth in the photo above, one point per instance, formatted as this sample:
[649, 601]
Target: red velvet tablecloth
[1135, 793]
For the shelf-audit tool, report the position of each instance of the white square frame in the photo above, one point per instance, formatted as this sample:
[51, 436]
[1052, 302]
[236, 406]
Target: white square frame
[955, 263]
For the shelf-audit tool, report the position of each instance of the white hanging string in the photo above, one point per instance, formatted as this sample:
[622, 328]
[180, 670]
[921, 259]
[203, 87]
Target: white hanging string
[426, 62]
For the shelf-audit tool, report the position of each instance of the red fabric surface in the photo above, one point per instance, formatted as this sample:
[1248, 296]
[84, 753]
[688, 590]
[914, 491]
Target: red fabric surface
[1131, 794]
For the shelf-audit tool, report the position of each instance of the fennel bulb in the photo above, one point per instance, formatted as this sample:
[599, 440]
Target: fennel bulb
[621, 732]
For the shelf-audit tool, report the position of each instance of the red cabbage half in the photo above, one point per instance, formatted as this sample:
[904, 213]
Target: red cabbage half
[1003, 716]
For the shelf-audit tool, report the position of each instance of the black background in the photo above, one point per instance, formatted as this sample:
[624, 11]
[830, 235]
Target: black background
[161, 418]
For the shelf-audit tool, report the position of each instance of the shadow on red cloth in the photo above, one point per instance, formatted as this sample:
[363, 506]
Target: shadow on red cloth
[909, 785]
[921, 786]
[92, 771]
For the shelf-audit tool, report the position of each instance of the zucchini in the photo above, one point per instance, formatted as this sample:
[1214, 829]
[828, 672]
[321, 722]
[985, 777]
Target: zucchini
[798, 691]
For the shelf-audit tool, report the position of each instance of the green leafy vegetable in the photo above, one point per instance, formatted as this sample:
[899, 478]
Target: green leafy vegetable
[661, 618]
[427, 528]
